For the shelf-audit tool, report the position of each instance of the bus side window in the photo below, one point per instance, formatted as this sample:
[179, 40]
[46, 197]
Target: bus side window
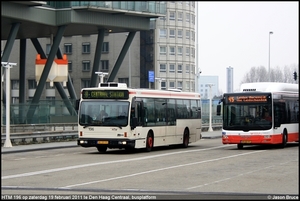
[232, 116]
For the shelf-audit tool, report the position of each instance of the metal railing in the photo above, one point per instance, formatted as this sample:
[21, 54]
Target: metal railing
[17, 128]
[39, 133]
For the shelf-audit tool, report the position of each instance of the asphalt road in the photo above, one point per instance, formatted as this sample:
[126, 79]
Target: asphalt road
[206, 170]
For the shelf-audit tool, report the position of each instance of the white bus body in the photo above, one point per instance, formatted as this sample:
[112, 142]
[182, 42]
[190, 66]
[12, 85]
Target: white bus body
[137, 118]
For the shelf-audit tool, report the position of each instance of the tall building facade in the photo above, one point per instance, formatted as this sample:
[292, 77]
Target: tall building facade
[168, 50]
[175, 47]
[229, 81]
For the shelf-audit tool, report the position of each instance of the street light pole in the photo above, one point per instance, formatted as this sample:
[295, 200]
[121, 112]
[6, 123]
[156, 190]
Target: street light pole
[159, 82]
[269, 55]
[8, 66]
[210, 110]
[129, 66]
[197, 88]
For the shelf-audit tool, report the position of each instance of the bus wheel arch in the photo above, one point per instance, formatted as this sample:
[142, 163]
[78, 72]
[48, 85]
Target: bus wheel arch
[186, 138]
[149, 141]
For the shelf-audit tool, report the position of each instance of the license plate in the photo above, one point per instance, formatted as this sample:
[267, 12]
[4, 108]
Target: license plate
[246, 141]
[102, 142]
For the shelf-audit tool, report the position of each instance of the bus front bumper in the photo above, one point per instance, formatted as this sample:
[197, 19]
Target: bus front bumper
[110, 143]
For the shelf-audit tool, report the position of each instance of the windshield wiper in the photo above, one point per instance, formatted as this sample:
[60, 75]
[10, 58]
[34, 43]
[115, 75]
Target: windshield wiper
[88, 125]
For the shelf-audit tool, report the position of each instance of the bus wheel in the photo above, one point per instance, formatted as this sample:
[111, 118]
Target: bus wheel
[284, 139]
[149, 142]
[186, 138]
[240, 146]
[102, 149]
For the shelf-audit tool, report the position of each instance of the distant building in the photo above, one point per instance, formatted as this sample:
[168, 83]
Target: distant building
[204, 86]
[229, 81]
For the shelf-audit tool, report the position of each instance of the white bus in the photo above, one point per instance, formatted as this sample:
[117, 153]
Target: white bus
[114, 116]
[261, 113]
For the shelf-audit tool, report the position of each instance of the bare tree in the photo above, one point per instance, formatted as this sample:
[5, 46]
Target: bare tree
[260, 74]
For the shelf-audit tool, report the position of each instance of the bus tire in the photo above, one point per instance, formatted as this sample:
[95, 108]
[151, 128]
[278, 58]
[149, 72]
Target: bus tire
[284, 139]
[186, 138]
[149, 142]
[101, 149]
[240, 146]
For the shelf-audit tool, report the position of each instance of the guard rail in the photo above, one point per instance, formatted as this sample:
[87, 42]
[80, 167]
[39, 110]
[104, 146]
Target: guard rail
[50, 133]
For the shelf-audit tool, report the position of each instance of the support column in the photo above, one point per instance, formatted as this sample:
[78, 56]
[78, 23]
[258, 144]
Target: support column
[45, 73]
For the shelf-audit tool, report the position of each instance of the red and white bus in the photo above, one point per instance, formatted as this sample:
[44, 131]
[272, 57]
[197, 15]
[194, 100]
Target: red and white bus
[137, 118]
[261, 113]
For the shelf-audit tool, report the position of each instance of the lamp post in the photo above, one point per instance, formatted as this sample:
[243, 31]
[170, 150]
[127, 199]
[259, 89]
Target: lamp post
[210, 102]
[159, 82]
[197, 89]
[269, 55]
[8, 66]
[129, 65]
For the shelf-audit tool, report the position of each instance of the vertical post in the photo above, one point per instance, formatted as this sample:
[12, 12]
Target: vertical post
[8, 66]
[129, 67]
[210, 112]
[197, 50]
[270, 54]
[129, 64]
[159, 82]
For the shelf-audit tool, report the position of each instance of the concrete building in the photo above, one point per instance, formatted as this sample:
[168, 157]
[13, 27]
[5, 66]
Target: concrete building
[229, 77]
[175, 47]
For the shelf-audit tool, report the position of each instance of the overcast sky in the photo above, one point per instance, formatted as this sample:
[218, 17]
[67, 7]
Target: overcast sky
[236, 34]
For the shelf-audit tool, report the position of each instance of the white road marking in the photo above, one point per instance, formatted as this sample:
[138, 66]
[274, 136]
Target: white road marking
[101, 163]
[166, 168]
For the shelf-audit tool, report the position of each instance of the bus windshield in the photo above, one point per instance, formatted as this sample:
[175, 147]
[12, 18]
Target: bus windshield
[247, 117]
[104, 113]
[247, 112]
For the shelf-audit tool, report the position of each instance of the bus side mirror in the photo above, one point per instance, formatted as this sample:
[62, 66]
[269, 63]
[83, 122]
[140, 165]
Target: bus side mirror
[134, 123]
[77, 104]
[218, 110]
[276, 122]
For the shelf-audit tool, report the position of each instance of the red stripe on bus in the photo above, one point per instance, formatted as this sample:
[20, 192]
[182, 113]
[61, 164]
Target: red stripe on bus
[258, 139]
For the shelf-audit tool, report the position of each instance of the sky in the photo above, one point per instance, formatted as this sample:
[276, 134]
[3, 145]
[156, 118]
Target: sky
[236, 34]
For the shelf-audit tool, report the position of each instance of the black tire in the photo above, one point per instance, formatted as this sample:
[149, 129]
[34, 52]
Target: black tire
[186, 139]
[101, 149]
[240, 146]
[284, 140]
[149, 142]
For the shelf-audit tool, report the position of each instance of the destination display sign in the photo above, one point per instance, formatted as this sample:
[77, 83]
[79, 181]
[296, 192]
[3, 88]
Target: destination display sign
[105, 94]
[248, 98]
